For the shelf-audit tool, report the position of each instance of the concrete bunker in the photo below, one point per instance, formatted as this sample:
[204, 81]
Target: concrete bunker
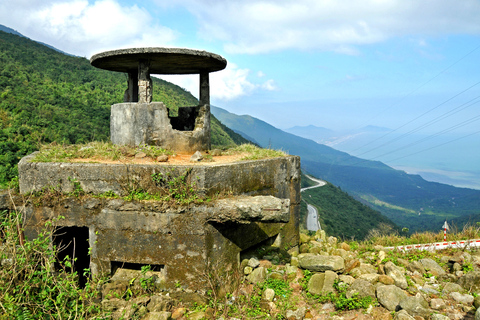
[179, 242]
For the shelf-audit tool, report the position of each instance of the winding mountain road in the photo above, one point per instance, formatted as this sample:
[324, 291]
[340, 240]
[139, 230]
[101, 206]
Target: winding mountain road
[312, 217]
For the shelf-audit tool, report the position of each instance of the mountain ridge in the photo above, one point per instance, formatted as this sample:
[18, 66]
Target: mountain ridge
[408, 200]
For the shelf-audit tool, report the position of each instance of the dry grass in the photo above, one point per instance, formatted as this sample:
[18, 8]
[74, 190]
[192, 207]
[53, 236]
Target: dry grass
[388, 237]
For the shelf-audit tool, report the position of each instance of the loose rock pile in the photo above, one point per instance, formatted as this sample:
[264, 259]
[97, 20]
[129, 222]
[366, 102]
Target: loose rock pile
[443, 286]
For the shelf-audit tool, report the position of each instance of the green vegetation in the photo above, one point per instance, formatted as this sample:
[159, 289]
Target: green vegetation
[30, 286]
[47, 96]
[340, 215]
[340, 300]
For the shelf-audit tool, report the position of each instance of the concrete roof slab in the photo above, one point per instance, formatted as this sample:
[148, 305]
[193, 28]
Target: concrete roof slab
[162, 60]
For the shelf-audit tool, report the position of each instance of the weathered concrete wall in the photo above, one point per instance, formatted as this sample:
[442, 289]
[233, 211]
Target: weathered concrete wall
[279, 177]
[183, 239]
[263, 202]
[135, 124]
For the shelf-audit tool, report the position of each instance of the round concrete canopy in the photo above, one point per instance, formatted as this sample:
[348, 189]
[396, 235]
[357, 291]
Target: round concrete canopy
[162, 60]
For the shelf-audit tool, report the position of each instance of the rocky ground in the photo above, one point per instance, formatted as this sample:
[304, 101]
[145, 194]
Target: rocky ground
[323, 279]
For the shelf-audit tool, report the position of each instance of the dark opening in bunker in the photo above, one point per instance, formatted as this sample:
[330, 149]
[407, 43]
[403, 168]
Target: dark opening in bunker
[263, 248]
[185, 121]
[72, 242]
[134, 266]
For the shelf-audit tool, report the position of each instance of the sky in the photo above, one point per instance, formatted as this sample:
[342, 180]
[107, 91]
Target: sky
[339, 64]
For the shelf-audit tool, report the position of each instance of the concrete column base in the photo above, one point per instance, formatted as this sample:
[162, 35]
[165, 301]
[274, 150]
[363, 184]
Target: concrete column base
[135, 124]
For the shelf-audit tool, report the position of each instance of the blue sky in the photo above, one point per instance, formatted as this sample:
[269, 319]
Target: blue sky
[336, 64]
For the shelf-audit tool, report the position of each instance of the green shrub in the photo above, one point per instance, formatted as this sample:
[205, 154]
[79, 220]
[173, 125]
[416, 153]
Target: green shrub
[30, 287]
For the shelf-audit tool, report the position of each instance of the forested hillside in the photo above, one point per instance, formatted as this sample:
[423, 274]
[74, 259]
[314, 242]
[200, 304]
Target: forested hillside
[340, 214]
[47, 96]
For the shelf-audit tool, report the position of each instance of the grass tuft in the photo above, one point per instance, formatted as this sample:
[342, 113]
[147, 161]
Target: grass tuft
[255, 153]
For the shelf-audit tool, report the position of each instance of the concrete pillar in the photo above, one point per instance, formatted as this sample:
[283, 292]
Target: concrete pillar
[144, 82]
[131, 94]
[204, 88]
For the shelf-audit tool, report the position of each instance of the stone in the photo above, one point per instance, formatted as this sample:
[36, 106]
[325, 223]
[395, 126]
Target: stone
[390, 296]
[162, 158]
[416, 266]
[363, 268]
[275, 275]
[196, 157]
[471, 281]
[451, 287]
[342, 253]
[370, 277]
[140, 155]
[403, 315]
[345, 246]
[253, 262]
[362, 287]
[216, 152]
[247, 270]
[397, 274]
[477, 314]
[462, 298]
[431, 266]
[294, 261]
[387, 280]
[322, 283]
[304, 238]
[346, 279]
[381, 255]
[319, 263]
[437, 316]
[351, 264]
[437, 304]
[268, 295]
[159, 303]
[290, 269]
[428, 289]
[161, 315]
[113, 304]
[178, 313]
[332, 240]
[304, 248]
[196, 315]
[456, 267]
[298, 314]
[476, 302]
[416, 305]
[257, 276]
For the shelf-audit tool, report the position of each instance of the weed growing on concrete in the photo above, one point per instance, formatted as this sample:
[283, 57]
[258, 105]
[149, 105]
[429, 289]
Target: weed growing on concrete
[179, 188]
[253, 152]
[95, 151]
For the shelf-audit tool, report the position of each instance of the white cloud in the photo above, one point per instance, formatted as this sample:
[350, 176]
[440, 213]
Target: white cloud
[228, 84]
[253, 26]
[84, 28]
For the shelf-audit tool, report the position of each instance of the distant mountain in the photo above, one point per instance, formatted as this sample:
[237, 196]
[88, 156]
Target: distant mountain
[9, 30]
[408, 200]
[311, 132]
